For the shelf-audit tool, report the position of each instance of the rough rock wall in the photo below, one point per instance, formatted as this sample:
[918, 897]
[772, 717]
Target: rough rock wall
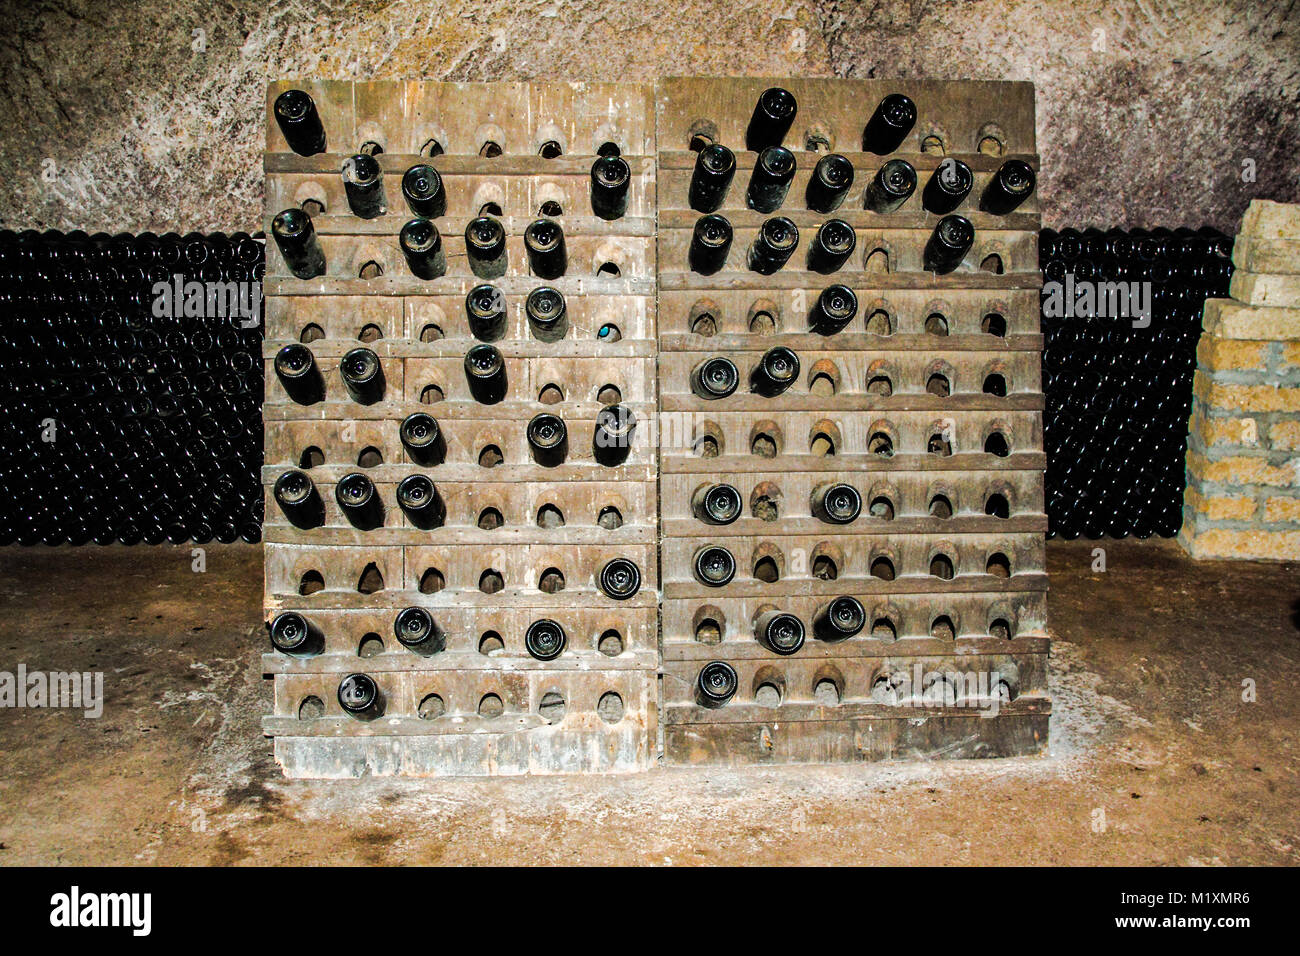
[124, 116]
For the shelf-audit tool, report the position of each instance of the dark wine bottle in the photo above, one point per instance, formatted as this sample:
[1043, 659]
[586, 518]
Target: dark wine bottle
[773, 115]
[415, 629]
[295, 367]
[834, 309]
[360, 697]
[714, 378]
[716, 504]
[548, 440]
[359, 500]
[485, 369]
[422, 439]
[780, 632]
[485, 246]
[545, 640]
[363, 376]
[776, 371]
[620, 579]
[544, 240]
[889, 124]
[831, 246]
[299, 500]
[836, 503]
[714, 566]
[424, 193]
[419, 500]
[610, 178]
[363, 183]
[715, 166]
[947, 187]
[295, 237]
[776, 241]
[422, 245]
[951, 240]
[293, 634]
[773, 173]
[710, 243]
[612, 438]
[1011, 185]
[716, 684]
[295, 114]
[839, 619]
[548, 319]
[893, 183]
[485, 309]
[829, 185]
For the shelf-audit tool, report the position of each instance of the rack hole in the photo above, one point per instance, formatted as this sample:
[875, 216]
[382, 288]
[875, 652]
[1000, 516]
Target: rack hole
[609, 395]
[762, 322]
[370, 333]
[765, 570]
[992, 263]
[943, 628]
[608, 148]
[432, 148]
[993, 323]
[940, 507]
[432, 581]
[490, 707]
[370, 270]
[996, 444]
[882, 568]
[550, 150]
[880, 385]
[938, 384]
[311, 708]
[372, 645]
[883, 629]
[609, 332]
[879, 322]
[610, 269]
[551, 581]
[431, 395]
[490, 456]
[371, 580]
[996, 506]
[610, 643]
[431, 333]
[311, 457]
[431, 707]
[826, 693]
[551, 395]
[877, 261]
[998, 565]
[822, 445]
[490, 150]
[491, 581]
[1000, 628]
[995, 384]
[370, 457]
[824, 568]
[490, 642]
[552, 707]
[609, 518]
[311, 332]
[936, 323]
[610, 707]
[549, 516]
[489, 519]
[311, 582]
[490, 209]
[941, 567]
[880, 443]
[551, 209]
[767, 694]
[881, 507]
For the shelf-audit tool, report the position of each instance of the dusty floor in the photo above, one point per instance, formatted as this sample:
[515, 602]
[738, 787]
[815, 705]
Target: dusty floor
[1155, 758]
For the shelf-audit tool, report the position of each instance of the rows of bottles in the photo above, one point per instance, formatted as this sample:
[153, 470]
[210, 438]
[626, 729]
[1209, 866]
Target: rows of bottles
[891, 190]
[424, 195]
[1121, 321]
[130, 368]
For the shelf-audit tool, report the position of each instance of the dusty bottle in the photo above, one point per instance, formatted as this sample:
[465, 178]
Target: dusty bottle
[420, 502]
[610, 178]
[422, 439]
[831, 247]
[298, 498]
[893, 183]
[776, 371]
[485, 310]
[360, 697]
[548, 439]
[613, 435]
[295, 367]
[716, 684]
[295, 237]
[714, 378]
[359, 500]
[485, 370]
[715, 166]
[485, 247]
[295, 114]
[714, 566]
[889, 124]
[548, 319]
[710, 243]
[836, 503]
[620, 579]
[948, 245]
[779, 631]
[835, 308]
[947, 187]
[839, 619]
[829, 185]
[776, 241]
[773, 115]
[1011, 185]
[363, 183]
[422, 245]
[545, 640]
[363, 376]
[293, 634]
[773, 173]
[716, 504]
[424, 193]
[415, 628]
[544, 240]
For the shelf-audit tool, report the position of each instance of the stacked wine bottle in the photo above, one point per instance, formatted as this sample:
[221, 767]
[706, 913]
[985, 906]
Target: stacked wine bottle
[1118, 381]
[132, 415]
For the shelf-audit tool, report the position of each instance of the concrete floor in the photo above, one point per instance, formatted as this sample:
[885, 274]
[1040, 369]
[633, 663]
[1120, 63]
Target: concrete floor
[1155, 758]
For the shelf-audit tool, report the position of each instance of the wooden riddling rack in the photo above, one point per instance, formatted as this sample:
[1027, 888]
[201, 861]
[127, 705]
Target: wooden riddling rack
[838, 701]
[482, 705]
